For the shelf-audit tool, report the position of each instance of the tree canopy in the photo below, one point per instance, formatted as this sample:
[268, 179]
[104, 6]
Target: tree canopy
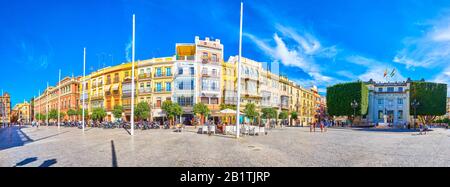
[294, 115]
[72, 112]
[98, 114]
[340, 97]
[431, 97]
[53, 114]
[142, 111]
[201, 109]
[250, 111]
[117, 111]
[269, 113]
[283, 115]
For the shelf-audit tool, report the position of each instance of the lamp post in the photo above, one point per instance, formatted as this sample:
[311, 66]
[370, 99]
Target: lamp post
[415, 104]
[354, 105]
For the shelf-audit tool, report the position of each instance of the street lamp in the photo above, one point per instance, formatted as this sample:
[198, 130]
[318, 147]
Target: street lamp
[354, 105]
[415, 104]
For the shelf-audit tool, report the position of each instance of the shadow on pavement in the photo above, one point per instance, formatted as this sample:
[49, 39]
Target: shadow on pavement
[48, 163]
[49, 136]
[26, 161]
[113, 154]
[384, 130]
[15, 137]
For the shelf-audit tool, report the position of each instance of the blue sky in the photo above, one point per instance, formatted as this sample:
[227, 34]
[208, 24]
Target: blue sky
[321, 42]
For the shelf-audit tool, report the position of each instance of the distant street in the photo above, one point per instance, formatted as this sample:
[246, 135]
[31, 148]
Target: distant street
[50, 147]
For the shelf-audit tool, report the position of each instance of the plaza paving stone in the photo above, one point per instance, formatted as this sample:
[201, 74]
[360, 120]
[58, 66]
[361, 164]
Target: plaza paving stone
[50, 146]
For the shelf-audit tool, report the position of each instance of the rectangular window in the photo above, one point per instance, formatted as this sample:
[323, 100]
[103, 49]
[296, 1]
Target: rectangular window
[380, 89]
[192, 70]
[380, 101]
[380, 114]
[214, 58]
[158, 72]
[168, 87]
[180, 71]
[116, 78]
[390, 89]
[400, 114]
[205, 100]
[168, 71]
[400, 101]
[158, 87]
[214, 101]
[158, 103]
[180, 86]
[400, 89]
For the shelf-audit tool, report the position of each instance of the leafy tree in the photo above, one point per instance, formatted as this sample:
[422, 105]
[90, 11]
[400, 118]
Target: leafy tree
[142, 111]
[269, 113]
[72, 112]
[98, 114]
[250, 112]
[283, 115]
[53, 114]
[80, 113]
[294, 116]
[40, 116]
[117, 111]
[61, 115]
[172, 110]
[201, 109]
[340, 97]
[432, 100]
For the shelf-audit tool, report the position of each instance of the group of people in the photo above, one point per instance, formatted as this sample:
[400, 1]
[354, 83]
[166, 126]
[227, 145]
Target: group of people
[323, 124]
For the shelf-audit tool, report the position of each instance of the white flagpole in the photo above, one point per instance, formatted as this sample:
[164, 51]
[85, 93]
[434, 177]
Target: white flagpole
[239, 74]
[132, 77]
[84, 85]
[59, 99]
[46, 117]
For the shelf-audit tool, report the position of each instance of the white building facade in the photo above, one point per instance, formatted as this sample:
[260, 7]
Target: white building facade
[389, 103]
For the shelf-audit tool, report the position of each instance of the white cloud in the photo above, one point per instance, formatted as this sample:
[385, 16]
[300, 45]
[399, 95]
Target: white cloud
[429, 50]
[444, 77]
[375, 69]
[128, 51]
[301, 55]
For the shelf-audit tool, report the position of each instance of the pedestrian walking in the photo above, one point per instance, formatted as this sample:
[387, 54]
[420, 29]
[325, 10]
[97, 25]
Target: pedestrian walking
[321, 126]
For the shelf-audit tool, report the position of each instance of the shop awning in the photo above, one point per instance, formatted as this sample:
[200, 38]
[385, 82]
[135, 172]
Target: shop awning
[107, 88]
[115, 87]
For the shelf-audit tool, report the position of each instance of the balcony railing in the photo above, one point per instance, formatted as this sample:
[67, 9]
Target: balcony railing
[163, 75]
[185, 57]
[161, 90]
[145, 90]
[209, 61]
[97, 97]
[144, 75]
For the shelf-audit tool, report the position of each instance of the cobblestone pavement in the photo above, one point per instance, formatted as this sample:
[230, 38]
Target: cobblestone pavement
[50, 146]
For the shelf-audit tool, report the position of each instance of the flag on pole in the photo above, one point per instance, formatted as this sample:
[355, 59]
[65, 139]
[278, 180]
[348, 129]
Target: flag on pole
[393, 72]
[385, 73]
